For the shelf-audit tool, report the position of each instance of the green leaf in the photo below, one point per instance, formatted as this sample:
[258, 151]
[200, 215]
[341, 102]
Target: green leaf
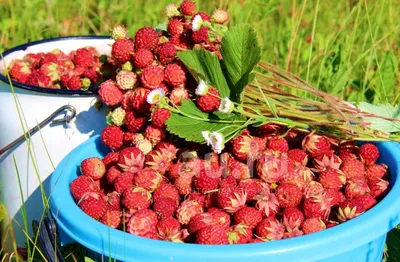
[388, 70]
[87, 259]
[161, 27]
[204, 65]
[190, 122]
[393, 245]
[384, 110]
[241, 53]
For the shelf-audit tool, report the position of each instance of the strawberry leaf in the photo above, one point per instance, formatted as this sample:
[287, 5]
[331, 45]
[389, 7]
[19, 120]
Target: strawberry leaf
[382, 110]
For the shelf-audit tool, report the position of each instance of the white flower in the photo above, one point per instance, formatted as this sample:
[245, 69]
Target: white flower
[201, 89]
[155, 96]
[217, 142]
[226, 106]
[197, 23]
[206, 135]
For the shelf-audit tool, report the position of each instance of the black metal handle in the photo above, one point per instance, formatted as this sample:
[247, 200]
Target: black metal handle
[67, 118]
[47, 235]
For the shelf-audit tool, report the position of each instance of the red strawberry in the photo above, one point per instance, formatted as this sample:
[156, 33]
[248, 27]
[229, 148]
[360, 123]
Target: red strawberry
[212, 235]
[228, 181]
[109, 93]
[184, 184]
[335, 195]
[126, 80]
[143, 58]
[300, 176]
[83, 57]
[188, 8]
[126, 102]
[312, 225]
[270, 229]
[249, 216]
[134, 121]
[167, 52]
[317, 207]
[122, 50]
[174, 75]
[160, 115]
[209, 102]
[313, 189]
[48, 58]
[292, 218]
[177, 95]
[207, 180]
[143, 223]
[174, 170]
[152, 76]
[147, 38]
[289, 195]
[237, 169]
[239, 234]
[112, 173]
[267, 203]
[123, 181]
[278, 144]
[74, 83]
[378, 187]
[272, 166]
[344, 155]
[349, 209]
[375, 171]
[247, 148]
[325, 161]
[154, 134]
[90, 73]
[165, 207]
[267, 130]
[199, 197]
[187, 210]
[201, 221]
[169, 229]
[148, 179]
[136, 198]
[37, 78]
[369, 153]
[113, 200]
[156, 160]
[353, 168]
[251, 187]
[366, 200]
[112, 218]
[221, 217]
[296, 232]
[315, 144]
[93, 167]
[175, 26]
[93, 204]
[138, 100]
[82, 185]
[231, 199]
[33, 59]
[182, 40]
[200, 35]
[356, 187]
[332, 178]
[168, 149]
[299, 156]
[131, 159]
[166, 190]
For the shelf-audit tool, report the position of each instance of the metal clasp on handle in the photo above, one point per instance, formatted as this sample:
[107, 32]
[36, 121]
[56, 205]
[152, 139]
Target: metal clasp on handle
[65, 120]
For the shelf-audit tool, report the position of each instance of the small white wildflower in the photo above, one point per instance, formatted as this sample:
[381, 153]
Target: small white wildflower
[217, 142]
[197, 23]
[226, 106]
[155, 96]
[206, 135]
[201, 89]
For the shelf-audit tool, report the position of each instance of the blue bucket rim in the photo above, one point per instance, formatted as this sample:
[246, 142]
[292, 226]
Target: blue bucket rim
[378, 218]
[23, 47]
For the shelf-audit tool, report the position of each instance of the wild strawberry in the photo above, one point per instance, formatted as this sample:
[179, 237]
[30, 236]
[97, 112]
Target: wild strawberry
[228, 181]
[126, 80]
[90, 73]
[82, 185]
[367, 200]
[209, 102]
[231, 199]
[249, 216]
[312, 225]
[239, 234]
[335, 196]
[37, 78]
[220, 16]
[272, 166]
[174, 170]
[332, 178]
[119, 32]
[74, 83]
[237, 169]
[375, 171]
[315, 144]
[289, 195]
[126, 102]
[251, 187]
[270, 229]
[109, 93]
[356, 187]
[201, 221]
[154, 134]
[292, 218]
[65, 66]
[331, 223]
[247, 148]
[168, 191]
[134, 121]
[113, 200]
[200, 35]
[93, 204]
[256, 240]
[300, 176]
[93, 167]
[313, 189]
[156, 160]
[187, 210]
[211, 200]
[143, 58]
[33, 59]
[51, 70]
[325, 161]
[159, 116]
[369, 153]
[131, 159]
[122, 50]
[188, 8]
[112, 173]
[152, 76]
[203, 16]
[48, 58]
[182, 40]
[199, 197]
[212, 235]
[296, 232]
[167, 149]
[378, 187]
[184, 184]
[138, 100]
[123, 181]
[83, 57]
[143, 223]
[299, 156]
[278, 144]
[177, 95]
[136, 198]
[344, 155]
[144, 145]
[174, 75]
[147, 38]
[165, 207]
[207, 180]
[112, 218]
[221, 217]
[148, 178]
[175, 26]
[169, 229]
[267, 203]
[167, 53]
[353, 168]
[349, 209]
[317, 206]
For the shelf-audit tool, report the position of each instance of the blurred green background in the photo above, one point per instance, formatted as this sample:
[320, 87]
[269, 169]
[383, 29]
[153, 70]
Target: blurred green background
[349, 48]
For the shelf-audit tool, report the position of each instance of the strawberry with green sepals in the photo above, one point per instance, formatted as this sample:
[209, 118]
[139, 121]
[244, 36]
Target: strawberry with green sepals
[349, 209]
[20, 71]
[247, 148]
[300, 176]
[325, 161]
[169, 229]
[239, 234]
[136, 198]
[318, 206]
[378, 187]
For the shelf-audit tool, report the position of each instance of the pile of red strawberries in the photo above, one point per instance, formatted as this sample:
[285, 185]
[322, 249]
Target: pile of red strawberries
[77, 70]
[267, 184]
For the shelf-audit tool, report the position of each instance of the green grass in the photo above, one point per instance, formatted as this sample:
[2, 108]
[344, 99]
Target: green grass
[348, 48]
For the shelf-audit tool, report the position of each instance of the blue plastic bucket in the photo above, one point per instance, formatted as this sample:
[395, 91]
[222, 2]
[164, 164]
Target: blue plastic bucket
[360, 239]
